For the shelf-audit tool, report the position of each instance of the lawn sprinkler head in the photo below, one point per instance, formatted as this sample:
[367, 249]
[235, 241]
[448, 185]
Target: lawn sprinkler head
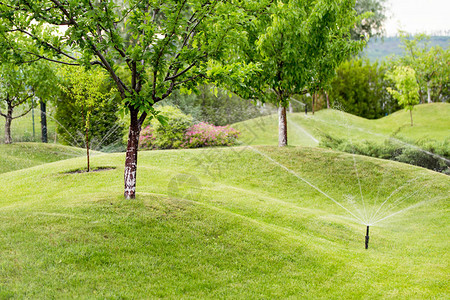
[367, 237]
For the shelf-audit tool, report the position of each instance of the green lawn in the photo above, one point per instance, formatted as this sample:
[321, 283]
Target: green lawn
[431, 122]
[24, 155]
[244, 224]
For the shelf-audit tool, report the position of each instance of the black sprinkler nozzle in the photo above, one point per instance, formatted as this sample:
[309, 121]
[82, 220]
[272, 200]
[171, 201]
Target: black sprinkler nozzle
[367, 237]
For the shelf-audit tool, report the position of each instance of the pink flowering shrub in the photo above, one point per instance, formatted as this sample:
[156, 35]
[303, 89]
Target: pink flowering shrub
[147, 139]
[207, 135]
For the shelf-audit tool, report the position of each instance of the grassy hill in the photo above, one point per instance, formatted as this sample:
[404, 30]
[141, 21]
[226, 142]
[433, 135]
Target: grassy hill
[242, 222]
[25, 155]
[431, 122]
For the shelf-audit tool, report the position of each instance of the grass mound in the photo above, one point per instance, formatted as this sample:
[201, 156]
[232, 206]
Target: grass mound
[431, 122]
[24, 155]
[251, 225]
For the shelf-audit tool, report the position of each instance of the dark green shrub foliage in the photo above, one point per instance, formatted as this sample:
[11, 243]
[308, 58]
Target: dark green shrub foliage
[434, 156]
[360, 89]
[168, 136]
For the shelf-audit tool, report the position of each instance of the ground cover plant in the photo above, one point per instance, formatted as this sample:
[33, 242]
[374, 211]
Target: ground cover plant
[248, 227]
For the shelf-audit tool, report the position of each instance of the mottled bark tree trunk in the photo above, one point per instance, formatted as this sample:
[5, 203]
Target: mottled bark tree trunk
[429, 92]
[282, 126]
[328, 100]
[131, 155]
[44, 136]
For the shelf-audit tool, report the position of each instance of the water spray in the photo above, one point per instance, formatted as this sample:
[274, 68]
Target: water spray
[367, 237]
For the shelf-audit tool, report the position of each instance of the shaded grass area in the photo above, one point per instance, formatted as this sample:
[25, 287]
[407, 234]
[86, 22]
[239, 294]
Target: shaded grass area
[24, 155]
[246, 228]
[431, 123]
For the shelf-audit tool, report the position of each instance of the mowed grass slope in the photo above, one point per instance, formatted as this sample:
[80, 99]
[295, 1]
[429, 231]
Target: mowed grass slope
[240, 223]
[431, 122]
[24, 155]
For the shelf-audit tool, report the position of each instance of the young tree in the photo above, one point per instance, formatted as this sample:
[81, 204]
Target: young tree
[14, 91]
[84, 86]
[160, 46]
[406, 88]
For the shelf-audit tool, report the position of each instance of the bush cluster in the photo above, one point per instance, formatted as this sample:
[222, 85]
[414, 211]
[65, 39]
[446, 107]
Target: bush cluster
[205, 135]
[180, 132]
[427, 154]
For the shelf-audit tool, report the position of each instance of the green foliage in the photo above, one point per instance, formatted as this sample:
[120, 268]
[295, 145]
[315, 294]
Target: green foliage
[359, 88]
[431, 66]
[432, 155]
[373, 13]
[406, 87]
[169, 135]
[87, 109]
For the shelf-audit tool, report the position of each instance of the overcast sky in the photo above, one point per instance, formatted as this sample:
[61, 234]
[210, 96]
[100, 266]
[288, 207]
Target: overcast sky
[416, 16]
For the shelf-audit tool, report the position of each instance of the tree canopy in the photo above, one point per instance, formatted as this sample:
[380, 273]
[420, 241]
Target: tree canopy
[149, 48]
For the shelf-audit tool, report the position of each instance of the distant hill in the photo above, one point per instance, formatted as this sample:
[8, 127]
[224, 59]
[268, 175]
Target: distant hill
[380, 49]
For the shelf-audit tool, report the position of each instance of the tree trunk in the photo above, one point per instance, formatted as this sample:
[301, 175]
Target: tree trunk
[429, 92]
[44, 137]
[87, 146]
[410, 113]
[313, 102]
[291, 108]
[328, 100]
[8, 139]
[282, 126]
[131, 156]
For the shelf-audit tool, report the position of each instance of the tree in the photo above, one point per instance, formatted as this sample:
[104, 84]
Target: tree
[14, 92]
[298, 43]
[432, 65]
[85, 87]
[373, 13]
[160, 46]
[360, 89]
[406, 88]
[44, 82]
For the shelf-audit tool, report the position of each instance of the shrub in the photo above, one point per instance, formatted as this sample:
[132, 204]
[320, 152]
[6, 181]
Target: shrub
[204, 135]
[147, 139]
[180, 133]
[168, 136]
[433, 156]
